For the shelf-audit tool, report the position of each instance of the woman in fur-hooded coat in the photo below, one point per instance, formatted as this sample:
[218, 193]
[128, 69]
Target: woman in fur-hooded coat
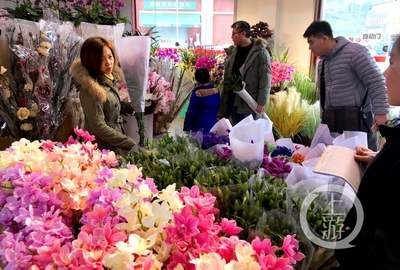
[102, 107]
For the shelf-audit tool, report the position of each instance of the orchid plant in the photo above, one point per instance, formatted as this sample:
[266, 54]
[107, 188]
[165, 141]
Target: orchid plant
[97, 215]
[159, 92]
[92, 11]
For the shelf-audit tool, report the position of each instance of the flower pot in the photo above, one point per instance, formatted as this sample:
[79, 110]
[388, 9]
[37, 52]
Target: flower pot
[107, 31]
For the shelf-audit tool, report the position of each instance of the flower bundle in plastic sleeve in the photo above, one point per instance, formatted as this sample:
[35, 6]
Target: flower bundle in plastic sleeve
[236, 84]
[36, 89]
[247, 141]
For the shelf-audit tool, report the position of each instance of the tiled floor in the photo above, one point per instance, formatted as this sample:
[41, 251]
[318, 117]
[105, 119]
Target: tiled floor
[176, 125]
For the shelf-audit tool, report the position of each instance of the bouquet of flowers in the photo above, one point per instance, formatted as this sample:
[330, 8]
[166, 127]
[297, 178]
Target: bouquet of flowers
[159, 94]
[215, 64]
[97, 215]
[177, 67]
[281, 71]
[164, 63]
[236, 84]
[35, 85]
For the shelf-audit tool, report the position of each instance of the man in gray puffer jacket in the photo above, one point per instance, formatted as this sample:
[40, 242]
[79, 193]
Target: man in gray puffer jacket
[348, 76]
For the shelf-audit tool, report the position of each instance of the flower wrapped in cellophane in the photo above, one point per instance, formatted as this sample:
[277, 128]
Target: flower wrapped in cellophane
[35, 82]
[159, 93]
[170, 64]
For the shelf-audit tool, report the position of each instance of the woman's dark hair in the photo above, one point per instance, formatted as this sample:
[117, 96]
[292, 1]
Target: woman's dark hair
[318, 29]
[92, 54]
[241, 26]
[202, 75]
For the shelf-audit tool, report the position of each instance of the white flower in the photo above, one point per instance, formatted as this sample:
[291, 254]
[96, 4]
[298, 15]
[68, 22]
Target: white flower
[208, 261]
[133, 174]
[137, 245]
[23, 113]
[170, 195]
[245, 258]
[118, 260]
[160, 214]
[163, 251]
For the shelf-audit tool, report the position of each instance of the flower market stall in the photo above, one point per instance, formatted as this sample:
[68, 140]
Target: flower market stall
[228, 199]
[104, 214]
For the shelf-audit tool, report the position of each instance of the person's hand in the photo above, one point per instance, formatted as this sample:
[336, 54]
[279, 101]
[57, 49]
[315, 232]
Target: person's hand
[363, 155]
[380, 119]
[260, 108]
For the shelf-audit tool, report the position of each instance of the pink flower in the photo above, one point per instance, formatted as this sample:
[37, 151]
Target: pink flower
[185, 226]
[270, 261]
[227, 247]
[263, 246]
[290, 247]
[229, 227]
[98, 214]
[281, 72]
[205, 62]
[64, 258]
[112, 236]
[84, 134]
[203, 203]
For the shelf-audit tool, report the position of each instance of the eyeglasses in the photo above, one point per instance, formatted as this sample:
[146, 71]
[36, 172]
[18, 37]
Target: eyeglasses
[234, 33]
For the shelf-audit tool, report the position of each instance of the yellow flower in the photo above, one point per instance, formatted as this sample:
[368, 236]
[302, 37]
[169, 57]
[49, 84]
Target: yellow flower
[7, 92]
[26, 127]
[28, 87]
[34, 110]
[2, 70]
[43, 51]
[23, 113]
[46, 44]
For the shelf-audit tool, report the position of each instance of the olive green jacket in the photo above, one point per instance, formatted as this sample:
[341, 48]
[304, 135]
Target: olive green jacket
[256, 73]
[102, 108]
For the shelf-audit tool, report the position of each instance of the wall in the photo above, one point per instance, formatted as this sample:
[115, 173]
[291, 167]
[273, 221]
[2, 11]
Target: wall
[288, 18]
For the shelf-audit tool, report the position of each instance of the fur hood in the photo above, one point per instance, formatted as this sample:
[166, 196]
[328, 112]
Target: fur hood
[87, 83]
[257, 42]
